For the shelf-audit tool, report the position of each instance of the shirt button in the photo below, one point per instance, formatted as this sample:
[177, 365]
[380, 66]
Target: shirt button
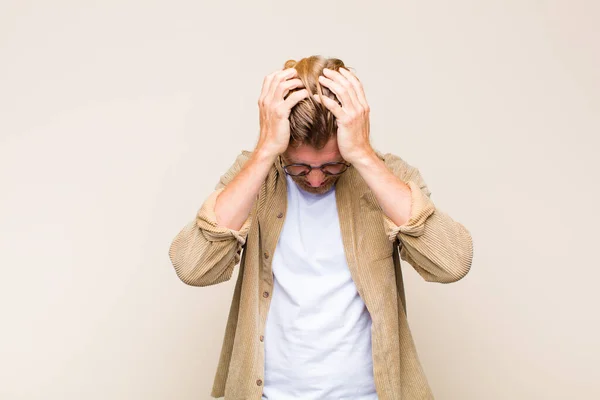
[259, 382]
[266, 294]
[262, 338]
[280, 215]
[266, 255]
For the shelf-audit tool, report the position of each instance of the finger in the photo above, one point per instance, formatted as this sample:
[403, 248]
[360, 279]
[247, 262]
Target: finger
[331, 105]
[341, 92]
[285, 87]
[265, 87]
[338, 78]
[358, 88]
[279, 77]
[295, 97]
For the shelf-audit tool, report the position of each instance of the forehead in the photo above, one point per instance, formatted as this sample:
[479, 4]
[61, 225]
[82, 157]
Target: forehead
[309, 155]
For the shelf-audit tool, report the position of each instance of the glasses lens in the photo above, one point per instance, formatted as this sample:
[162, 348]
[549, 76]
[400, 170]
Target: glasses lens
[334, 169]
[296, 170]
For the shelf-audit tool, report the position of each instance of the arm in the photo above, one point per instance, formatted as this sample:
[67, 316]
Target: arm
[439, 248]
[208, 248]
[233, 204]
[204, 253]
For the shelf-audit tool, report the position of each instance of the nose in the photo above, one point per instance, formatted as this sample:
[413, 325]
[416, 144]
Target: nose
[315, 178]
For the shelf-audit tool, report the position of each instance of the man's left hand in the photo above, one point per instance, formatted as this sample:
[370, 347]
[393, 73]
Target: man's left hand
[352, 116]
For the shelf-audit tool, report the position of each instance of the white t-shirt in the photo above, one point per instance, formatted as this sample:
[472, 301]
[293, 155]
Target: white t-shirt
[318, 331]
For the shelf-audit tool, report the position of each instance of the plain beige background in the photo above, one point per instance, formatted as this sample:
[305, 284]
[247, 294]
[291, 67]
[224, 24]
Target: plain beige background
[117, 118]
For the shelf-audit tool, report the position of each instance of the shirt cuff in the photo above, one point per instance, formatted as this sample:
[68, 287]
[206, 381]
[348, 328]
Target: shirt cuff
[421, 208]
[206, 220]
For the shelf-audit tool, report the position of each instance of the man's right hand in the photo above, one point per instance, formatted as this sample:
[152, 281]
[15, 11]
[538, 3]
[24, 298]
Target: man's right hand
[275, 106]
[233, 205]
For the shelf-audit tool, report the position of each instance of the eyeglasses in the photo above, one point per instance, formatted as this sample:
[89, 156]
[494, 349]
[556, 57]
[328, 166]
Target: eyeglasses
[332, 168]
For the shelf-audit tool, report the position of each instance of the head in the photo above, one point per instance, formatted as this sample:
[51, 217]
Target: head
[313, 127]
[316, 181]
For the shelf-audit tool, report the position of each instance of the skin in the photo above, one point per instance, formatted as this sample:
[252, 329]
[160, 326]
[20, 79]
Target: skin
[351, 143]
[316, 181]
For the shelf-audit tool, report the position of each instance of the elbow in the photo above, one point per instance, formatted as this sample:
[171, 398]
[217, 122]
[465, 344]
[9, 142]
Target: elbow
[195, 274]
[450, 264]
[454, 276]
[185, 262]
[461, 265]
[190, 276]
[448, 276]
[203, 280]
[194, 269]
[187, 271]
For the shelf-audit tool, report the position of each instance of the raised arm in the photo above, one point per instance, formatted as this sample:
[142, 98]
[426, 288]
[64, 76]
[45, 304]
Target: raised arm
[208, 248]
[438, 247]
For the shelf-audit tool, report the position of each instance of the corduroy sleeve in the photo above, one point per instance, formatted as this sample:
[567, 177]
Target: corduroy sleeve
[204, 253]
[438, 247]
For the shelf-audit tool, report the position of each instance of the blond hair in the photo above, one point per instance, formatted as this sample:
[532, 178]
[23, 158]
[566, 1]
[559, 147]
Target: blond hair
[311, 123]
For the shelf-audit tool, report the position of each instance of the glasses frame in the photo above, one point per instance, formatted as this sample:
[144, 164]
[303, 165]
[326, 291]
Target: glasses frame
[310, 168]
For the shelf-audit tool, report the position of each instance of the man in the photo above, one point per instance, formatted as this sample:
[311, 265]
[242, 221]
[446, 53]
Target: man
[315, 217]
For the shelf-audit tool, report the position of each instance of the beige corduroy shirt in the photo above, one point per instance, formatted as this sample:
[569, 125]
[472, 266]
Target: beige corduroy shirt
[438, 248]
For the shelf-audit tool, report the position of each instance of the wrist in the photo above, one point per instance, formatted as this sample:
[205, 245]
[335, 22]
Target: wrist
[264, 154]
[362, 157]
